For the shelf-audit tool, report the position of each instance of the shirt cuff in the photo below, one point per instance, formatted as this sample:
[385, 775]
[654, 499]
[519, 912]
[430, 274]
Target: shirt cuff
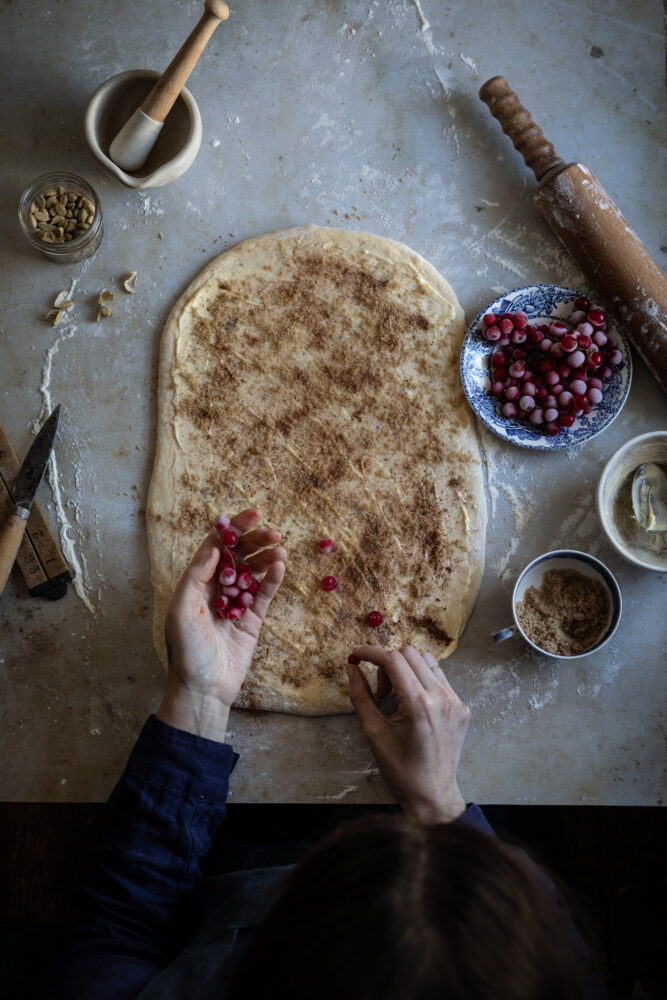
[473, 816]
[194, 766]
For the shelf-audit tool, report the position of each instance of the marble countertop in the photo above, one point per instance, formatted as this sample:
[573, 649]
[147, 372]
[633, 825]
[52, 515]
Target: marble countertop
[362, 116]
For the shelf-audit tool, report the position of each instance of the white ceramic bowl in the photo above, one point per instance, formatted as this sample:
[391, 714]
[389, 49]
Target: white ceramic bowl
[176, 146]
[533, 575]
[650, 447]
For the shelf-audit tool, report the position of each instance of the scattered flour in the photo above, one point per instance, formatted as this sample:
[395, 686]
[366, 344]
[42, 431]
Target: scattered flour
[341, 795]
[424, 28]
[147, 205]
[470, 63]
[67, 534]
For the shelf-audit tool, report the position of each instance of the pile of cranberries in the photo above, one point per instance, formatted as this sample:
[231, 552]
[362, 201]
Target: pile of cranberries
[238, 584]
[550, 374]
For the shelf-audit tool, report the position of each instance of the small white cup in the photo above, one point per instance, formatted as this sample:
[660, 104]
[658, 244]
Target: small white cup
[533, 575]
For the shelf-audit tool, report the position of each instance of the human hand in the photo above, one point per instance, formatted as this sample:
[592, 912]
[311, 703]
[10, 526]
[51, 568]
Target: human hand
[209, 657]
[419, 746]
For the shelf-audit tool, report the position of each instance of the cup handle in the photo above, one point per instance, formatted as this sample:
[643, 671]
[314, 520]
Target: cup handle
[505, 633]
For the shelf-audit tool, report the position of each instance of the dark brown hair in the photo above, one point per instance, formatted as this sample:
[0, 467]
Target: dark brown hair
[384, 908]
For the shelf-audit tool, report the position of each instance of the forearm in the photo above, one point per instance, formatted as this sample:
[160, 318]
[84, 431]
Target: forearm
[199, 714]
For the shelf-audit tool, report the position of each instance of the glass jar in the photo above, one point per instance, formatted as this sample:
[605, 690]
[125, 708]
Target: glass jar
[66, 244]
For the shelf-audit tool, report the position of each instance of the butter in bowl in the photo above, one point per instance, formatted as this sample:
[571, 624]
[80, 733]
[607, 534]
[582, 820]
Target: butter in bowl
[631, 501]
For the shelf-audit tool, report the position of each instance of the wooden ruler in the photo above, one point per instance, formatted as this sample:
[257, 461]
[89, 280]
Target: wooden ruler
[40, 560]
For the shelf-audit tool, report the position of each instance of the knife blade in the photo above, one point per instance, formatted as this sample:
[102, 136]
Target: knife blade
[25, 486]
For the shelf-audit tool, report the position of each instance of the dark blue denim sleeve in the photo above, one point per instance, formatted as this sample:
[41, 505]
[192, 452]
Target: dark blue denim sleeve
[128, 915]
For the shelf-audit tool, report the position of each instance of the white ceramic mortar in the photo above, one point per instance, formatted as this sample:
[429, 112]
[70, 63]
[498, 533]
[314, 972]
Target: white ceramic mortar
[176, 146]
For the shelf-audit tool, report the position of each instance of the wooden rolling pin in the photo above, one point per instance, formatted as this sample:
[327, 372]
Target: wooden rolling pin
[586, 220]
[131, 146]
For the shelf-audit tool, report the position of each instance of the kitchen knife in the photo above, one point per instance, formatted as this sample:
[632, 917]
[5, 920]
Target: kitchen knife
[25, 486]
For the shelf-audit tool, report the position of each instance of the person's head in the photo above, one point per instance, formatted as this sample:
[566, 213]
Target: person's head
[387, 909]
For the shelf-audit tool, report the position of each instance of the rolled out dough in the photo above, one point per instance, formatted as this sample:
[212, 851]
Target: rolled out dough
[315, 373]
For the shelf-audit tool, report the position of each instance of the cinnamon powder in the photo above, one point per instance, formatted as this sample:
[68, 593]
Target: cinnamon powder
[566, 614]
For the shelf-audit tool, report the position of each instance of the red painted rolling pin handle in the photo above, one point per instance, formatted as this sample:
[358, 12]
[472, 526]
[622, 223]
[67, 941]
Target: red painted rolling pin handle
[590, 226]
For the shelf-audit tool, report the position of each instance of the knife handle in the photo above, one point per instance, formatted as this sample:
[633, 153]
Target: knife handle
[10, 542]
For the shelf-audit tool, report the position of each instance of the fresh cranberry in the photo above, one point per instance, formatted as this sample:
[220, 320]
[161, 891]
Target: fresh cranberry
[490, 319]
[329, 583]
[596, 317]
[374, 619]
[326, 544]
[505, 325]
[229, 538]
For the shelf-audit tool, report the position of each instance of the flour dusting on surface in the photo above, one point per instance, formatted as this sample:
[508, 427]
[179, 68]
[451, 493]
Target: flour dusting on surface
[67, 534]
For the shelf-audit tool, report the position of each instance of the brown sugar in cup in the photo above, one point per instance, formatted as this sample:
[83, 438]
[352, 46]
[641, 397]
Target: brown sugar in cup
[565, 604]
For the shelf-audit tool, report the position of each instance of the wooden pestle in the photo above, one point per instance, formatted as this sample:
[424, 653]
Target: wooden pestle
[165, 92]
[132, 145]
[586, 220]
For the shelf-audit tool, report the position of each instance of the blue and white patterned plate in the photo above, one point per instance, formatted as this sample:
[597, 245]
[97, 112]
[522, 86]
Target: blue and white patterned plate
[541, 304]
